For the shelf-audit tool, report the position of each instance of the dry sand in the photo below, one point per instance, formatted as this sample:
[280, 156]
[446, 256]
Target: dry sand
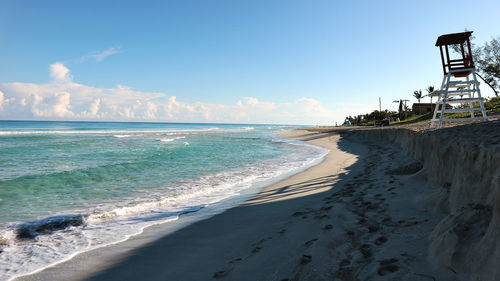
[364, 213]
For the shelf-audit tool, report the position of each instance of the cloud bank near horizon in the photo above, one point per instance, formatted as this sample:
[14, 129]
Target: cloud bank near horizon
[63, 99]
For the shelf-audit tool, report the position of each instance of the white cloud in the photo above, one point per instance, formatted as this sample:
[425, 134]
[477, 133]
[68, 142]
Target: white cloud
[257, 103]
[251, 101]
[63, 99]
[101, 55]
[94, 107]
[312, 107]
[59, 72]
[57, 105]
[2, 100]
[93, 111]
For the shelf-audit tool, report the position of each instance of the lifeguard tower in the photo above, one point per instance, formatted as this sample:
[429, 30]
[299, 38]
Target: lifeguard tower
[460, 80]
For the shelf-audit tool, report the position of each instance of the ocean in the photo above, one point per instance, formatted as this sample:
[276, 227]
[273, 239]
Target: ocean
[70, 187]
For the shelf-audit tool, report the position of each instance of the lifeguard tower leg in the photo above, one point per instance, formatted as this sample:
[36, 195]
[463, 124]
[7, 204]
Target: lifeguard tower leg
[444, 100]
[470, 95]
[476, 84]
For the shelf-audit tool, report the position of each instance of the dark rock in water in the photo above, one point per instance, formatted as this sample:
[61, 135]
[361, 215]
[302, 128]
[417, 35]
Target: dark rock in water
[32, 229]
[25, 233]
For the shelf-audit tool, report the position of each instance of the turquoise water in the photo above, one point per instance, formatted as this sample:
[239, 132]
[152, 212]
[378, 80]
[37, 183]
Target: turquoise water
[75, 163]
[69, 187]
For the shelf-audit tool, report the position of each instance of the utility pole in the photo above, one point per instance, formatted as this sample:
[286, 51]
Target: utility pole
[379, 104]
[405, 102]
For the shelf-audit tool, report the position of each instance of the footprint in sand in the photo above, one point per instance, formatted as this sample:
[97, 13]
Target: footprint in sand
[373, 228]
[365, 251]
[310, 242]
[328, 227]
[220, 274]
[387, 266]
[306, 259]
[326, 208]
[381, 240]
[345, 262]
[256, 249]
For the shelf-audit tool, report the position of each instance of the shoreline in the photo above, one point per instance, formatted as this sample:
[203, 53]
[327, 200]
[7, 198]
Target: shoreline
[230, 182]
[298, 228]
[150, 234]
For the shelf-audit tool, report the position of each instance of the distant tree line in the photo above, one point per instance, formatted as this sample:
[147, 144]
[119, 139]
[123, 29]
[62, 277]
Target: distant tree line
[373, 116]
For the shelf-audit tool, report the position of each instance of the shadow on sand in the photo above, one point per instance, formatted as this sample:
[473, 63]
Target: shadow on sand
[197, 251]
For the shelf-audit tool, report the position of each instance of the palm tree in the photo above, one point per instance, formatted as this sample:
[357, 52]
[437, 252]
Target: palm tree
[430, 89]
[400, 109]
[418, 95]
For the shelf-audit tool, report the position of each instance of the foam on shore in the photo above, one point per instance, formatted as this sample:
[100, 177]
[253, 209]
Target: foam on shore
[50, 241]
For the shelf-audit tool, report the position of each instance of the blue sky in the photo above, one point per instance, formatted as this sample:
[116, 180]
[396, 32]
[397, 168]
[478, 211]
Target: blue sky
[307, 62]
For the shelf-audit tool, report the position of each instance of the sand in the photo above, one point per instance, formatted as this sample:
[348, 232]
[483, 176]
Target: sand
[364, 213]
[462, 163]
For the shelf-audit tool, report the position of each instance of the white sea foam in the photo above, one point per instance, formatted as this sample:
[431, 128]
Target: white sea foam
[119, 132]
[172, 139]
[127, 133]
[60, 238]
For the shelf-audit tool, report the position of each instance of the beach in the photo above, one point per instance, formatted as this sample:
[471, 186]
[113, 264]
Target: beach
[365, 213]
[245, 140]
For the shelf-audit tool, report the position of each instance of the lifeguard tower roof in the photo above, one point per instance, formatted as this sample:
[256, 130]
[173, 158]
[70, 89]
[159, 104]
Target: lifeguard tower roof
[453, 38]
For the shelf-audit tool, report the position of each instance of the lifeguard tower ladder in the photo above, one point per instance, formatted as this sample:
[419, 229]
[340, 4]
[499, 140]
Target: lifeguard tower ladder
[451, 87]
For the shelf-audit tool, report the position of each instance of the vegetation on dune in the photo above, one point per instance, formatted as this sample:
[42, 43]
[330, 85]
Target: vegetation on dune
[414, 119]
[492, 106]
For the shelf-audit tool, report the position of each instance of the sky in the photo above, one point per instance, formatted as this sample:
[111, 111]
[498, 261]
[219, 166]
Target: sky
[276, 62]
